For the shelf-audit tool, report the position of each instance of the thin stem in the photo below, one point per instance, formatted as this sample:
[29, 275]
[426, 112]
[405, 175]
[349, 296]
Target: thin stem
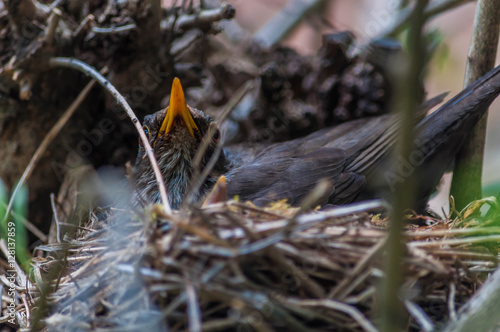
[466, 184]
[433, 9]
[480, 313]
[200, 178]
[204, 17]
[408, 75]
[118, 29]
[285, 21]
[53, 24]
[90, 71]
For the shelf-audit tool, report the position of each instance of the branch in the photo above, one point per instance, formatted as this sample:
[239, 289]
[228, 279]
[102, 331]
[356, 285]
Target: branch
[432, 9]
[50, 31]
[466, 183]
[112, 30]
[90, 71]
[204, 17]
[285, 21]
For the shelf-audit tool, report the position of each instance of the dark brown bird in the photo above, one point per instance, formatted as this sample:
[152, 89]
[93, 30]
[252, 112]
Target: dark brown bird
[352, 156]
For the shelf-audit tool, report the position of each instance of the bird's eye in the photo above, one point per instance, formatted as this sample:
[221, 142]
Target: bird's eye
[214, 132]
[146, 131]
[216, 136]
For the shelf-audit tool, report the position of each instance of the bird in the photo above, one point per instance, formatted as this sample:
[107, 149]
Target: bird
[353, 157]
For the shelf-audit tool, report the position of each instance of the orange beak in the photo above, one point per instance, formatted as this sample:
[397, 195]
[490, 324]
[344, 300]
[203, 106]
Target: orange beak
[177, 109]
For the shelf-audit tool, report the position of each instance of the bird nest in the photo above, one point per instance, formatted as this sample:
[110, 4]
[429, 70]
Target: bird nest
[233, 266]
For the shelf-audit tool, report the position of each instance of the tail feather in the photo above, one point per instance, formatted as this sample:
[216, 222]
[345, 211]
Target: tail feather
[471, 103]
[440, 135]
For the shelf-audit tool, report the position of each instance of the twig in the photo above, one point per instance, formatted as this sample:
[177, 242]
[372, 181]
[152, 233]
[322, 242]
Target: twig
[255, 209]
[83, 26]
[110, 30]
[285, 21]
[56, 217]
[466, 183]
[480, 313]
[53, 24]
[55, 4]
[433, 9]
[339, 292]
[219, 325]
[90, 71]
[231, 104]
[451, 302]
[26, 305]
[201, 232]
[310, 286]
[200, 177]
[452, 232]
[54, 131]
[186, 42]
[21, 276]
[252, 235]
[193, 307]
[29, 226]
[309, 220]
[314, 197]
[456, 242]
[420, 316]
[353, 312]
[204, 17]
[90, 230]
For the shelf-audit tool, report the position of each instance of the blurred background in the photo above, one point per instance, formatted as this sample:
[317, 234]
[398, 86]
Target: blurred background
[368, 18]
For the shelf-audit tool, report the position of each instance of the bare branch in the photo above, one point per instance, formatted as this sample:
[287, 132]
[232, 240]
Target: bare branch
[204, 17]
[284, 22]
[53, 23]
[432, 9]
[90, 71]
[122, 28]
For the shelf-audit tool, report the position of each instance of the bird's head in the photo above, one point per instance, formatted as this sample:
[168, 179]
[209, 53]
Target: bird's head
[176, 134]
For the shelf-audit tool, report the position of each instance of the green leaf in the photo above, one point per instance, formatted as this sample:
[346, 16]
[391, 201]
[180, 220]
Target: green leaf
[20, 208]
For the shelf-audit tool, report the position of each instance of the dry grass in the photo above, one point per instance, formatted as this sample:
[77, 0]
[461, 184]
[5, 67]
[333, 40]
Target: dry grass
[233, 266]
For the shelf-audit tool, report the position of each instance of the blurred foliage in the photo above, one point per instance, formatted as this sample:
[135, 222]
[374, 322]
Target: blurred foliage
[436, 49]
[3, 209]
[12, 228]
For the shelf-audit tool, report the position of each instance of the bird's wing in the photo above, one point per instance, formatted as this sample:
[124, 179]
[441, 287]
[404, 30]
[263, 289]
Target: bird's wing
[344, 155]
[381, 135]
[283, 172]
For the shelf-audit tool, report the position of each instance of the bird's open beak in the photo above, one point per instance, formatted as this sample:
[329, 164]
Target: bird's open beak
[177, 110]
